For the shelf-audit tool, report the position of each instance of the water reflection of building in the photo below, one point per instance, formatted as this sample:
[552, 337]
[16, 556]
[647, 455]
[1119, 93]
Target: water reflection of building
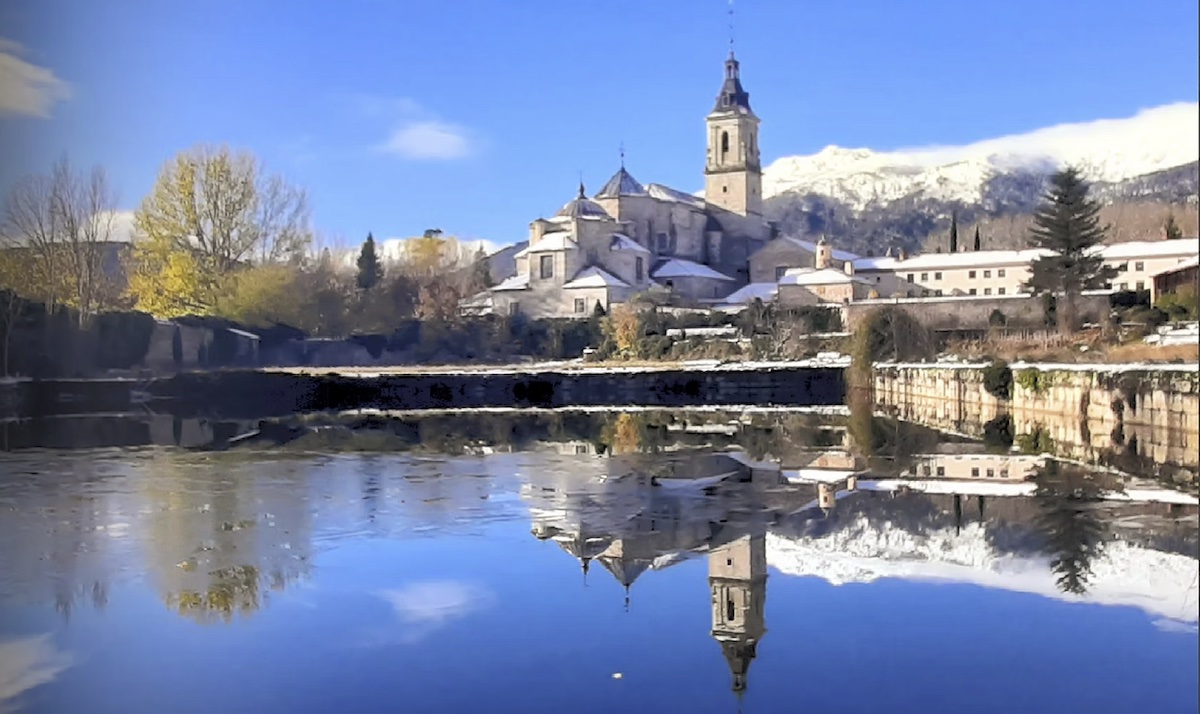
[737, 577]
[632, 526]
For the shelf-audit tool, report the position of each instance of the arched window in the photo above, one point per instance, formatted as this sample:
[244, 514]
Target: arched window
[730, 611]
[724, 144]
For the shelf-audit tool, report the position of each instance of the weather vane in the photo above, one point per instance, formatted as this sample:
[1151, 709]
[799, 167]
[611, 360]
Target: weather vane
[621, 148]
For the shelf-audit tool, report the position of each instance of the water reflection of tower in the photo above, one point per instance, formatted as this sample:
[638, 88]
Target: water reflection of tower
[737, 577]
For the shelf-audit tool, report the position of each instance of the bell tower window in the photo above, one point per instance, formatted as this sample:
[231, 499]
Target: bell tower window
[724, 144]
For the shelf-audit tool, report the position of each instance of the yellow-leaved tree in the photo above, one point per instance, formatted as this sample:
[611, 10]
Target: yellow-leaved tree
[212, 213]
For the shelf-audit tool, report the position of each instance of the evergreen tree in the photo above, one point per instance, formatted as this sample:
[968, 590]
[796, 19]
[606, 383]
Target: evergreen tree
[1068, 225]
[978, 240]
[481, 273]
[954, 232]
[370, 270]
[1171, 230]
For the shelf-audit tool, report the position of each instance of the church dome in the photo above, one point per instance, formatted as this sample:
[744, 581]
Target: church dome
[582, 207]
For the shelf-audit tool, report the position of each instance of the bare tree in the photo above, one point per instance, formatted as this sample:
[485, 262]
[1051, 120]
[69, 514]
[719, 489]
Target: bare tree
[65, 222]
[224, 208]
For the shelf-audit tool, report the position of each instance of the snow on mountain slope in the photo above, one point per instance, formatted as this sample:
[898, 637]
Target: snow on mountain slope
[1107, 150]
[1162, 584]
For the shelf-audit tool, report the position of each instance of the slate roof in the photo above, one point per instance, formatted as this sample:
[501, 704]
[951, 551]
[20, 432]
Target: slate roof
[621, 184]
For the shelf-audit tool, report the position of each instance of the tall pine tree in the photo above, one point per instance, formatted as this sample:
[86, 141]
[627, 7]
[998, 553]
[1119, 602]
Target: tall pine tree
[978, 240]
[370, 270]
[1068, 225]
[954, 232]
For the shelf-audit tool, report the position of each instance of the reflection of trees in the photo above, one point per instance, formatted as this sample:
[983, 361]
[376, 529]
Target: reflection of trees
[1069, 501]
[219, 540]
[887, 444]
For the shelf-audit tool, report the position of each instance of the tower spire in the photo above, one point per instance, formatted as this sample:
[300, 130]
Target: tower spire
[731, 28]
[622, 151]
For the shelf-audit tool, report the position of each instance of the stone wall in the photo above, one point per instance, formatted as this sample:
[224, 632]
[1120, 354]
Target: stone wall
[1098, 414]
[973, 312]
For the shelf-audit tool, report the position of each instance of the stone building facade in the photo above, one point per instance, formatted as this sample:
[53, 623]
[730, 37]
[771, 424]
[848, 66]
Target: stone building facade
[631, 237]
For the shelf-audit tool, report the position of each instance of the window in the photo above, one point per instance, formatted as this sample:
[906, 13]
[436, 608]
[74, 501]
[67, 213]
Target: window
[971, 291]
[1123, 286]
[1000, 273]
[724, 143]
[547, 266]
[987, 273]
[926, 470]
[937, 293]
[664, 242]
[971, 274]
[991, 473]
[924, 293]
[937, 276]
[987, 291]
[580, 306]
[1122, 267]
[924, 277]
[1003, 473]
[638, 267]
[999, 291]
[910, 277]
[975, 472]
[941, 471]
[730, 613]
[1139, 285]
[514, 308]
[1139, 266]
[779, 271]
[581, 448]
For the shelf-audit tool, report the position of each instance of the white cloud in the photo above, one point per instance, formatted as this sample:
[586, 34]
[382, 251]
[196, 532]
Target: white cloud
[429, 140]
[425, 606]
[28, 663]
[27, 89]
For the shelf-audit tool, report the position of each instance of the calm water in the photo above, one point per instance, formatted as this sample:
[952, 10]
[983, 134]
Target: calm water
[691, 565]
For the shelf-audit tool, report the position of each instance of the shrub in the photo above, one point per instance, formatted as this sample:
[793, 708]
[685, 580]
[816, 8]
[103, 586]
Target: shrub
[998, 379]
[1034, 380]
[1178, 306]
[890, 333]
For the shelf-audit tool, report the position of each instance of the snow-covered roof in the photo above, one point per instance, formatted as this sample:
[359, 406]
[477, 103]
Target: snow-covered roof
[558, 240]
[516, 282]
[969, 259]
[746, 295]
[243, 333]
[812, 248]
[680, 268]
[594, 277]
[666, 193]
[1181, 265]
[621, 241]
[1181, 247]
[824, 276]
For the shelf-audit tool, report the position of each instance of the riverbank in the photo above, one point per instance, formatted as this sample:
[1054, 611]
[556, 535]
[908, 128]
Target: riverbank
[1115, 415]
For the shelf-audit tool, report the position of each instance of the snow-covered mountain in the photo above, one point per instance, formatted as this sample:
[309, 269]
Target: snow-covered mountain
[1160, 583]
[871, 200]
[1107, 151]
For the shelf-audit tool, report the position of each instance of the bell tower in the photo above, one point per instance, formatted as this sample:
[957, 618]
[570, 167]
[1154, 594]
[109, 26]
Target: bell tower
[732, 172]
[737, 578]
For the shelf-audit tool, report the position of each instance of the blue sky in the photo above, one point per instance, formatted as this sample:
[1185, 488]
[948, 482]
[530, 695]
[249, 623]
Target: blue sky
[491, 109]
